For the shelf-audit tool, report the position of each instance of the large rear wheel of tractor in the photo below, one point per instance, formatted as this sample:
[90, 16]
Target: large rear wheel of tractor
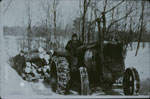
[60, 75]
[131, 81]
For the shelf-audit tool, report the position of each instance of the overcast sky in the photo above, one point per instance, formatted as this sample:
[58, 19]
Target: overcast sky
[69, 9]
[16, 13]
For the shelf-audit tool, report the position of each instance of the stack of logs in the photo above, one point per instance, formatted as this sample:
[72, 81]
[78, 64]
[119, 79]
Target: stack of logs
[37, 65]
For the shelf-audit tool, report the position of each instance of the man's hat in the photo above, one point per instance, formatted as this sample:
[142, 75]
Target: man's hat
[74, 35]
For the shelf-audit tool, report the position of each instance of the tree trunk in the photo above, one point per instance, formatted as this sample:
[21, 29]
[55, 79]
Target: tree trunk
[29, 36]
[29, 31]
[104, 24]
[104, 19]
[83, 20]
[54, 20]
[80, 20]
[95, 15]
[89, 29]
[100, 49]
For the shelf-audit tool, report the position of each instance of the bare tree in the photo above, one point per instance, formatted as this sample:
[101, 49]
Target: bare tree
[47, 22]
[124, 17]
[89, 27]
[85, 8]
[10, 1]
[104, 19]
[141, 26]
[95, 14]
[55, 5]
[80, 20]
[102, 32]
[29, 31]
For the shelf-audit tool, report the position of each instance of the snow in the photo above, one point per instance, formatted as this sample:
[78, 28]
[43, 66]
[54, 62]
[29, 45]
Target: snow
[13, 85]
[141, 62]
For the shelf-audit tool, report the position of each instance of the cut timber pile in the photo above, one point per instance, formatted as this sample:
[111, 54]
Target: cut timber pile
[37, 65]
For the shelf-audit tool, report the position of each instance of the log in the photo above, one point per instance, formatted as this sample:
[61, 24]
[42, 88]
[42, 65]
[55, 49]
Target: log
[28, 64]
[47, 58]
[27, 69]
[40, 49]
[32, 56]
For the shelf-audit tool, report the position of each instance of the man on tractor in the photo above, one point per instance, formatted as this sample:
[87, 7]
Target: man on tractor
[73, 44]
[72, 47]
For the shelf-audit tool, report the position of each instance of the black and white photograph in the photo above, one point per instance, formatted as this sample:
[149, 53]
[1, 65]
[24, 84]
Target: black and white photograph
[74, 49]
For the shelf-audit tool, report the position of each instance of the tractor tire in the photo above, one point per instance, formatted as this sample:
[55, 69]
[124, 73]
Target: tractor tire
[59, 75]
[131, 81]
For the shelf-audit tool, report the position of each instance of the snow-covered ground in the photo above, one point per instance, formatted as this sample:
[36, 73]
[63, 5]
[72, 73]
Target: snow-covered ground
[14, 85]
[141, 62]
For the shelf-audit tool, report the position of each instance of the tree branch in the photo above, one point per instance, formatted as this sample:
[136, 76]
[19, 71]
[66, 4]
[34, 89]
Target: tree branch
[7, 6]
[115, 6]
[120, 19]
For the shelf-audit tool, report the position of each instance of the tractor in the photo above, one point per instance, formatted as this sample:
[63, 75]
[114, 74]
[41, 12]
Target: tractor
[91, 70]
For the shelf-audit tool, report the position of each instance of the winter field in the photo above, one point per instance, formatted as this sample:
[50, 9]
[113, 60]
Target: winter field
[15, 86]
